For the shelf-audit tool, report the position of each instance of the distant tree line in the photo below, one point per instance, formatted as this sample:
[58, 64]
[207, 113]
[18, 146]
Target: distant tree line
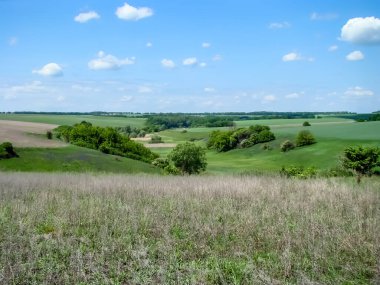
[163, 122]
[223, 141]
[107, 140]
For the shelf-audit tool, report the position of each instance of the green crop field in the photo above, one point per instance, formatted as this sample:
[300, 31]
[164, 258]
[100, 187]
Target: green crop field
[101, 121]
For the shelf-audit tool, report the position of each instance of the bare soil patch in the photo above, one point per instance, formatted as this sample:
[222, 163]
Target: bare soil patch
[27, 134]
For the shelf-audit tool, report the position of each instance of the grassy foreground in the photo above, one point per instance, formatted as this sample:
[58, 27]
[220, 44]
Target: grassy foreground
[117, 229]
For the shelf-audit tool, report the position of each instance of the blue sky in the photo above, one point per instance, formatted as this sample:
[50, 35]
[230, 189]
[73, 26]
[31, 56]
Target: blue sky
[190, 56]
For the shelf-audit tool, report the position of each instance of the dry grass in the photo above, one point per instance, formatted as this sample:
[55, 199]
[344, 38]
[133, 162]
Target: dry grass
[86, 229]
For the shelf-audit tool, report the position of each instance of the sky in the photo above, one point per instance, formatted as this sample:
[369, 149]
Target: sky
[189, 55]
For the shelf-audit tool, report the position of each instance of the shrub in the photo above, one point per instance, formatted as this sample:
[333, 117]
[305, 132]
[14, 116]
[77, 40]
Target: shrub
[298, 172]
[156, 139]
[287, 145]
[49, 135]
[7, 151]
[305, 138]
[306, 124]
[160, 162]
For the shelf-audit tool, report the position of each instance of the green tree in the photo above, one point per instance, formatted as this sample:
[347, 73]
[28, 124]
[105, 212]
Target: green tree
[306, 124]
[361, 160]
[287, 145]
[305, 138]
[188, 158]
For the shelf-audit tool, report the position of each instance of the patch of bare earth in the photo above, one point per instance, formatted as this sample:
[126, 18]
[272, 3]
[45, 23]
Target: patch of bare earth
[27, 134]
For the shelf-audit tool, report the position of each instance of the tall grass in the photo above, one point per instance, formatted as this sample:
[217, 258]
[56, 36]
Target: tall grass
[115, 229]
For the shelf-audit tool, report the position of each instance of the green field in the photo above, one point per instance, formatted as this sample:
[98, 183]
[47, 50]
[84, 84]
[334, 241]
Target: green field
[101, 121]
[73, 159]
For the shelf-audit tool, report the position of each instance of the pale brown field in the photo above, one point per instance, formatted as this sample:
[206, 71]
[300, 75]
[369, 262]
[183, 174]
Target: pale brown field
[27, 134]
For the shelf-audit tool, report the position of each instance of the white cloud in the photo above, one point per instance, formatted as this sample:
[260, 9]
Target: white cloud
[323, 17]
[333, 48]
[35, 87]
[293, 56]
[167, 63]
[279, 25]
[51, 69]
[130, 13]
[206, 45]
[217, 57]
[362, 31]
[292, 96]
[358, 92]
[209, 90]
[85, 17]
[149, 44]
[107, 61]
[355, 56]
[190, 61]
[203, 64]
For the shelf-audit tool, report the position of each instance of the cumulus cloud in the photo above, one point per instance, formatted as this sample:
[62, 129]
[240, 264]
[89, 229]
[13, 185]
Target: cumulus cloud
[107, 61]
[85, 17]
[203, 64]
[130, 13]
[149, 44]
[357, 92]
[279, 25]
[355, 56]
[167, 63]
[206, 45]
[291, 57]
[323, 17]
[362, 31]
[51, 69]
[191, 61]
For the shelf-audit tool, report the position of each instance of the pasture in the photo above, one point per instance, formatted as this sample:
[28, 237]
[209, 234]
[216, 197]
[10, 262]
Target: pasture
[121, 229]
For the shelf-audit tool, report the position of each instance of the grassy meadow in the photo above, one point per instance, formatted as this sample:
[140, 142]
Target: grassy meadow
[134, 229]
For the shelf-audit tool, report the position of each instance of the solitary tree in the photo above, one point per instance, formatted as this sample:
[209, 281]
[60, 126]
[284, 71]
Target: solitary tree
[189, 158]
[361, 160]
